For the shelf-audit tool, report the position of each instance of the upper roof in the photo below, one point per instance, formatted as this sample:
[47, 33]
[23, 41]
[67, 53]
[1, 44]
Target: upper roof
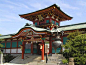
[51, 9]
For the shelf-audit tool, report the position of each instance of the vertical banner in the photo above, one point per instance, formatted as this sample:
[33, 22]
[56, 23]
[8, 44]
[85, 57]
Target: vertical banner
[46, 49]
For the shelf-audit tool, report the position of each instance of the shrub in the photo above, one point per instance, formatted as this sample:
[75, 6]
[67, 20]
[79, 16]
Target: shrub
[65, 61]
[8, 58]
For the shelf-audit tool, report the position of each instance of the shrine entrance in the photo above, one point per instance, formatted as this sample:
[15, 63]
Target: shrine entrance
[36, 48]
[32, 41]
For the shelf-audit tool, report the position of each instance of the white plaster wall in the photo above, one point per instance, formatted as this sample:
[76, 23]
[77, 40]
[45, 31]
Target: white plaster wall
[3, 50]
[13, 50]
[7, 50]
[19, 51]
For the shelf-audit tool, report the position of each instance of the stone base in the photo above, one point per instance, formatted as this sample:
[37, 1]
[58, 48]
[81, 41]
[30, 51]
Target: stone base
[42, 60]
[50, 54]
[22, 59]
[71, 63]
[31, 54]
[54, 55]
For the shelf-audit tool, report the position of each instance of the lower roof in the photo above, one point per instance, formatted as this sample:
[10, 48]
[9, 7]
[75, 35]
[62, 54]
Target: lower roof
[73, 27]
[61, 28]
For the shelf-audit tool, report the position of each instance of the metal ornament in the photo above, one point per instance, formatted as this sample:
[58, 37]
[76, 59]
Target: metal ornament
[57, 43]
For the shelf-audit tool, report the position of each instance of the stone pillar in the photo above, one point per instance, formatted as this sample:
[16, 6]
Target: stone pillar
[71, 61]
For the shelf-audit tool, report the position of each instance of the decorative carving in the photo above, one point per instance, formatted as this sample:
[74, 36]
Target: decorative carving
[47, 17]
[36, 19]
[40, 17]
[32, 38]
[57, 18]
[53, 16]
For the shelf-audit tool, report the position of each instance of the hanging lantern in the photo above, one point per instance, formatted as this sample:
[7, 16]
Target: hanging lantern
[40, 46]
[26, 42]
[31, 42]
[21, 47]
[57, 43]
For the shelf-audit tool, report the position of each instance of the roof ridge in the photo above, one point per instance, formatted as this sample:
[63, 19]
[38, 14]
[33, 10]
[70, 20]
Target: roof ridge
[72, 24]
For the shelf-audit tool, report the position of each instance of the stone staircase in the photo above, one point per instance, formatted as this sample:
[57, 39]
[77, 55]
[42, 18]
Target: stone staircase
[27, 59]
[36, 59]
[56, 58]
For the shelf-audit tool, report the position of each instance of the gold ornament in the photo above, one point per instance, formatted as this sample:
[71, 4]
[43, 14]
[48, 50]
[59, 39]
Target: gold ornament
[40, 17]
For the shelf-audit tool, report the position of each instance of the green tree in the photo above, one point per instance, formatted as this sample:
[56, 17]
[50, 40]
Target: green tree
[76, 47]
[1, 40]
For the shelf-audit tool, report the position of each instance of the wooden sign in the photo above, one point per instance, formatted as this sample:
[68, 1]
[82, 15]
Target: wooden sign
[46, 49]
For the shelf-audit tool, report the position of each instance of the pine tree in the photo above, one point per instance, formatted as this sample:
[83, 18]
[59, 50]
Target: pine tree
[76, 47]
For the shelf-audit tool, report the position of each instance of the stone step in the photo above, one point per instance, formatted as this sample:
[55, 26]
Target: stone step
[37, 58]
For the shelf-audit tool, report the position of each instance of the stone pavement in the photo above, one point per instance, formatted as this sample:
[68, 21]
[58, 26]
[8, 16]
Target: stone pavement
[34, 60]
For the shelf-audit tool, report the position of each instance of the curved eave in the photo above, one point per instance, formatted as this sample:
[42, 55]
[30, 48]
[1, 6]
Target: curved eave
[5, 36]
[40, 31]
[43, 10]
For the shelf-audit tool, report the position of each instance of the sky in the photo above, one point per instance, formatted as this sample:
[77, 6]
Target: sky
[10, 22]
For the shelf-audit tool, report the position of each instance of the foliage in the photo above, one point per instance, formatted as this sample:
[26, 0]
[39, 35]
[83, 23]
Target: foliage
[8, 58]
[76, 47]
[1, 40]
[64, 61]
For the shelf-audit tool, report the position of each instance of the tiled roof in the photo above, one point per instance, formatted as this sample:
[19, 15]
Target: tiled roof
[5, 36]
[35, 28]
[72, 27]
[64, 28]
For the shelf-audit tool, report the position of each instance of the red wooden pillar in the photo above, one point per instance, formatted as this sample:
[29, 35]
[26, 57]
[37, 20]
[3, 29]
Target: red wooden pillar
[50, 45]
[55, 21]
[11, 45]
[23, 49]
[17, 46]
[59, 23]
[5, 45]
[31, 48]
[50, 19]
[42, 50]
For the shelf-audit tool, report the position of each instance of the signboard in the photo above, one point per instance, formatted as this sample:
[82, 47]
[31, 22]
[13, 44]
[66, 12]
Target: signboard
[46, 49]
